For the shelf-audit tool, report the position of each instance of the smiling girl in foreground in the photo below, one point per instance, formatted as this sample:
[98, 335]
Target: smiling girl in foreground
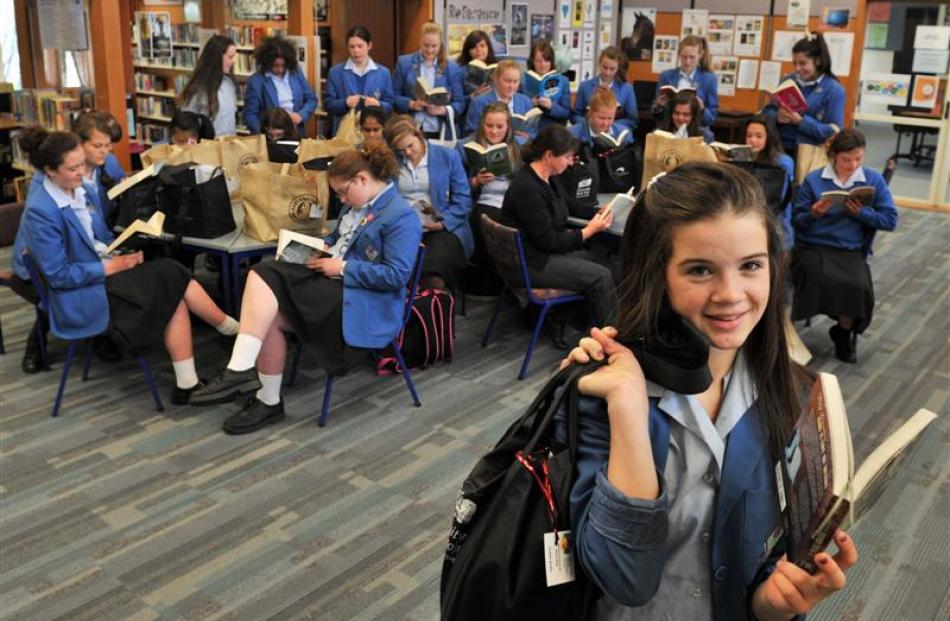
[675, 496]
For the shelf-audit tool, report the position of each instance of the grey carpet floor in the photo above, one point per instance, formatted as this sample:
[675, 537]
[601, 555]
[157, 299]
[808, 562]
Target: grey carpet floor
[117, 512]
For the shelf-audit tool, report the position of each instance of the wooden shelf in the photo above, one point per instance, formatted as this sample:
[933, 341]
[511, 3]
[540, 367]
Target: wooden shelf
[140, 65]
[169, 94]
[149, 117]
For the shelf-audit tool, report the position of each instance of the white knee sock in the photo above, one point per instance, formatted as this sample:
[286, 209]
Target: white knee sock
[269, 393]
[244, 354]
[185, 374]
[228, 327]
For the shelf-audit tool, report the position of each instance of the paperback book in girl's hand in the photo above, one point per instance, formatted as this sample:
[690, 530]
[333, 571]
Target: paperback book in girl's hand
[818, 487]
[547, 85]
[297, 248]
[788, 95]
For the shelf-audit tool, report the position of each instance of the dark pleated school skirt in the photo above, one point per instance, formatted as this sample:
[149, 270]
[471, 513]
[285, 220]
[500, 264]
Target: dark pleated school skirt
[833, 282]
[444, 257]
[143, 299]
[313, 305]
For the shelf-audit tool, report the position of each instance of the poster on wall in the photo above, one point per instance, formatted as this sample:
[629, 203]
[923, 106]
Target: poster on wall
[770, 74]
[457, 34]
[749, 32]
[542, 27]
[725, 68]
[577, 13]
[925, 90]
[576, 43]
[694, 22]
[932, 38]
[930, 61]
[876, 37]
[519, 25]
[835, 17]
[606, 37]
[748, 72]
[590, 13]
[587, 69]
[564, 13]
[783, 43]
[564, 37]
[797, 16]
[886, 88]
[664, 53]
[720, 33]
[840, 45]
[62, 25]
[499, 38]
[636, 28]
[154, 31]
[257, 10]
[879, 12]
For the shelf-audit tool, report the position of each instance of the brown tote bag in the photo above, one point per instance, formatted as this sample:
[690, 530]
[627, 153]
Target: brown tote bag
[811, 157]
[663, 154]
[237, 152]
[280, 196]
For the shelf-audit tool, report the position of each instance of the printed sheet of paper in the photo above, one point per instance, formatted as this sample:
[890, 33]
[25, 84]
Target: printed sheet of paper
[840, 45]
[725, 68]
[783, 43]
[749, 32]
[770, 74]
[665, 55]
[694, 22]
[798, 11]
[720, 33]
[748, 73]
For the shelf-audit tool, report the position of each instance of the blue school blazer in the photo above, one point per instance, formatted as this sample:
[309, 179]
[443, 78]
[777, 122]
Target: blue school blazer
[521, 104]
[404, 78]
[707, 89]
[560, 110]
[341, 83]
[65, 255]
[825, 107]
[837, 228]
[746, 514]
[581, 131]
[261, 96]
[626, 99]
[379, 263]
[450, 193]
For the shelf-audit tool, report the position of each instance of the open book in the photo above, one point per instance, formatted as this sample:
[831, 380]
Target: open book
[478, 73]
[295, 247]
[528, 121]
[495, 158]
[433, 95]
[131, 237]
[670, 90]
[863, 193]
[428, 214]
[605, 140]
[537, 85]
[735, 152]
[621, 205]
[149, 171]
[818, 485]
[789, 95]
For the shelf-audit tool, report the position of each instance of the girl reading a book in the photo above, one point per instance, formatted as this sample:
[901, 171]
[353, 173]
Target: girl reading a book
[488, 189]
[682, 116]
[833, 239]
[279, 82]
[555, 105]
[600, 121]
[507, 81]
[432, 179]
[371, 257]
[358, 82]
[92, 292]
[692, 74]
[210, 89]
[675, 509]
[761, 135]
[824, 96]
[430, 64]
[612, 73]
[96, 139]
[477, 46]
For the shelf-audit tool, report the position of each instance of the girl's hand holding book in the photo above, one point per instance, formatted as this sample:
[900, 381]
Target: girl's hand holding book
[484, 177]
[786, 115]
[791, 591]
[853, 206]
[542, 102]
[820, 208]
[122, 262]
[329, 267]
[435, 110]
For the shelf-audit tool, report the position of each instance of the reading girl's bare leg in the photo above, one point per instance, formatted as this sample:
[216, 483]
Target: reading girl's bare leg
[180, 349]
[201, 304]
[274, 349]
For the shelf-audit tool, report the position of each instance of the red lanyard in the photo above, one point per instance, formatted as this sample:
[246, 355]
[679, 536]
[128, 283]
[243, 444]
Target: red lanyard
[544, 483]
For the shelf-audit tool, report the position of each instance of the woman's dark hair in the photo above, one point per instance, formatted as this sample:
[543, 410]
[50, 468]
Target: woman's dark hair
[547, 52]
[375, 158]
[87, 122]
[773, 142]
[693, 192]
[373, 112]
[554, 138]
[45, 149]
[814, 47]
[500, 107]
[471, 40]
[360, 32]
[845, 140]
[272, 48]
[680, 99]
[198, 124]
[208, 74]
[278, 118]
[615, 54]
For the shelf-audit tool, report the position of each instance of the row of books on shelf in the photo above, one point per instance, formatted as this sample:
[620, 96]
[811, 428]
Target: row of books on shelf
[250, 36]
[50, 108]
[160, 84]
[154, 107]
[181, 57]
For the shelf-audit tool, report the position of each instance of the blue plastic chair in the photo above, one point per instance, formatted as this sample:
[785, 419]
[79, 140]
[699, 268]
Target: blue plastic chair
[406, 374]
[504, 246]
[40, 283]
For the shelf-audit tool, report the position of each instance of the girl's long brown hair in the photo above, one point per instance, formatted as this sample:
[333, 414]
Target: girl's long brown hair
[693, 192]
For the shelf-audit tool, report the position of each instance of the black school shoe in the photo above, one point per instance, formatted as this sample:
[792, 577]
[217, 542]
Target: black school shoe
[32, 361]
[181, 396]
[845, 344]
[255, 415]
[226, 385]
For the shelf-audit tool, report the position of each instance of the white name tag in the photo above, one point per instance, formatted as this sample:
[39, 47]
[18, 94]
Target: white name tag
[559, 558]
[780, 486]
[316, 211]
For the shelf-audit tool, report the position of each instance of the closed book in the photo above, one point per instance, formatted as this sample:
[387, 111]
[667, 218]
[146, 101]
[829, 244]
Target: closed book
[788, 95]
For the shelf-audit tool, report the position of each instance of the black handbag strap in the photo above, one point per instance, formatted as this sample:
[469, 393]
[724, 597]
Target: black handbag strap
[567, 378]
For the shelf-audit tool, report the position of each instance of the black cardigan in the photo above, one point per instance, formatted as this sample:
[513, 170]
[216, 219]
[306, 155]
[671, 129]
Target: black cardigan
[539, 210]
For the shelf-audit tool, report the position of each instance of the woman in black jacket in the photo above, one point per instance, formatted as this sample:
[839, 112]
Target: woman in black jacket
[536, 204]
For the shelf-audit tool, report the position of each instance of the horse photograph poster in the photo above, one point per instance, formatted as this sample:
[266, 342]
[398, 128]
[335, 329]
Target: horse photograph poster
[636, 27]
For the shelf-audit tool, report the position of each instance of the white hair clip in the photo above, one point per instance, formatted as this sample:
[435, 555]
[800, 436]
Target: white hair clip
[655, 177]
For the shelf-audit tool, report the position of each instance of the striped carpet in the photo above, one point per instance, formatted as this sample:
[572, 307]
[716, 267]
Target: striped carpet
[117, 512]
